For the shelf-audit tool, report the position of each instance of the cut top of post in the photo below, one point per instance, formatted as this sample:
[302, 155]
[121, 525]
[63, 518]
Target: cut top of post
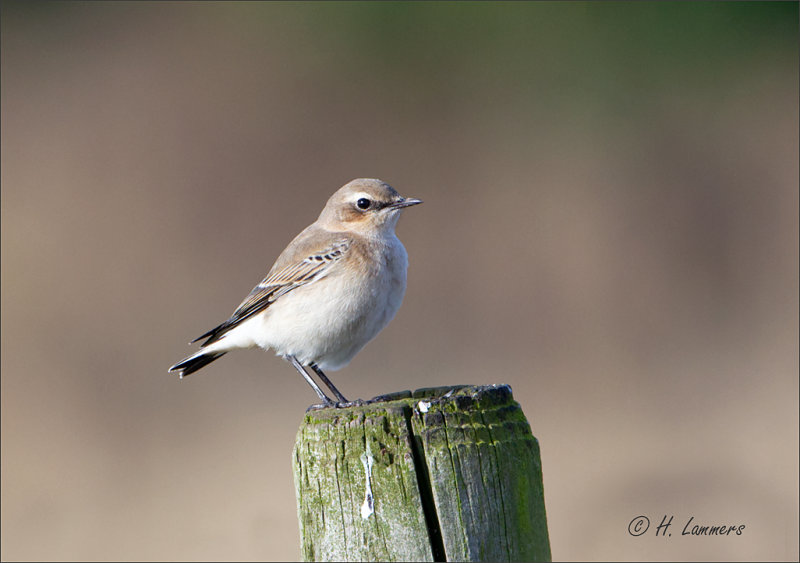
[440, 474]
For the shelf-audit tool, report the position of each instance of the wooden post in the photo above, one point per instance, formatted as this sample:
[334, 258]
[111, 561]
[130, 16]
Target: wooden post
[441, 474]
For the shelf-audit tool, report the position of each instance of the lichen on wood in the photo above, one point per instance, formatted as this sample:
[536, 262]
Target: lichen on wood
[449, 473]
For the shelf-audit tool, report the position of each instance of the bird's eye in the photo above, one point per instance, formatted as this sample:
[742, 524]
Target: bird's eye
[363, 203]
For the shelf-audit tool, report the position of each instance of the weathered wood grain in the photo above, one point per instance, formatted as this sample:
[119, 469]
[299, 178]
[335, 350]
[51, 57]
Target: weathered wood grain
[449, 473]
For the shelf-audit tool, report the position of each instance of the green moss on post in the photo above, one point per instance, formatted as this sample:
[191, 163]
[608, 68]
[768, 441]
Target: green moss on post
[443, 474]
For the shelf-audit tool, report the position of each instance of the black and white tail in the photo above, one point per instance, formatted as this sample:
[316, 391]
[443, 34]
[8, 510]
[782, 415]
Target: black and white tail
[195, 362]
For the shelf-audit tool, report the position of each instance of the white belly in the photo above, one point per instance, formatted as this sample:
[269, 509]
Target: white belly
[328, 321]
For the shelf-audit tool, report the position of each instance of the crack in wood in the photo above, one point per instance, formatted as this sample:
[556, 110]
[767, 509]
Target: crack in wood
[425, 491]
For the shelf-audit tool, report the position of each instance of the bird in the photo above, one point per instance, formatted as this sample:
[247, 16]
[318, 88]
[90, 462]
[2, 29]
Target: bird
[331, 291]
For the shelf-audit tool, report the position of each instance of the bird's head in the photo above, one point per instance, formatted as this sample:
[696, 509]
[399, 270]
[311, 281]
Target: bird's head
[367, 206]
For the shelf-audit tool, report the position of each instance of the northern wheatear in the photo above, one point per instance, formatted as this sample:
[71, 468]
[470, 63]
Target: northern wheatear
[332, 290]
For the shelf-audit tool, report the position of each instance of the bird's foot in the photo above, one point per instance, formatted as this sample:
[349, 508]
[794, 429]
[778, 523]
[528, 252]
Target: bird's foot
[320, 406]
[338, 405]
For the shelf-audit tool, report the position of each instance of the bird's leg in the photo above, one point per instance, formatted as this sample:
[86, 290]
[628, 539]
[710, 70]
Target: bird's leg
[327, 382]
[314, 386]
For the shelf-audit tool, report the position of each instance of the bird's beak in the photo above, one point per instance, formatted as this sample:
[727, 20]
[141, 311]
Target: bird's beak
[405, 202]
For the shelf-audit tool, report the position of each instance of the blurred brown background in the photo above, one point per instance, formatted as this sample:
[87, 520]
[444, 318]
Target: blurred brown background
[610, 226]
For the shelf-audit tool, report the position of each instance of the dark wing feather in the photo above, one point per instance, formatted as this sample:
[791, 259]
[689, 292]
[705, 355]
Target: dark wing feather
[292, 276]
